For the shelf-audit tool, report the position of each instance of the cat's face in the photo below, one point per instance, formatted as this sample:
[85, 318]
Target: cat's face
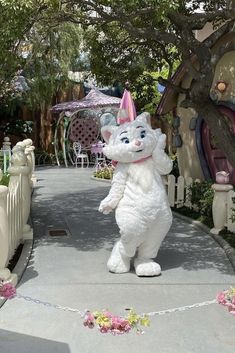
[131, 141]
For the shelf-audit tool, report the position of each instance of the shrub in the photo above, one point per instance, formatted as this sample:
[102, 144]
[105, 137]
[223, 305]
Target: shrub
[105, 172]
[5, 179]
[202, 197]
[17, 127]
[175, 167]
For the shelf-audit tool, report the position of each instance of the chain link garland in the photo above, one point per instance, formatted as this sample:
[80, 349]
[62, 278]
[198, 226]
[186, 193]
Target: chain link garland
[181, 308]
[83, 313]
[106, 322]
[50, 305]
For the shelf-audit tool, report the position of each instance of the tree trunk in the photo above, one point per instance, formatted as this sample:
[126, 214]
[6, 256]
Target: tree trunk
[46, 128]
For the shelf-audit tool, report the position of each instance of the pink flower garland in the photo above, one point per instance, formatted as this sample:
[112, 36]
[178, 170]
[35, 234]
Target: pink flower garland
[109, 323]
[106, 322]
[227, 298]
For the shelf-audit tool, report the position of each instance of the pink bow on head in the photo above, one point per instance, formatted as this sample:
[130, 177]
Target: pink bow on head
[127, 110]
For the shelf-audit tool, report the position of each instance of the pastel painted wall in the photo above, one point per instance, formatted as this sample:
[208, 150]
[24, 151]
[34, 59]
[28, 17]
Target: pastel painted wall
[189, 164]
[225, 72]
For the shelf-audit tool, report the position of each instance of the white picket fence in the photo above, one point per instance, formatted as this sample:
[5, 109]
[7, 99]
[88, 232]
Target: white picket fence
[178, 190]
[179, 195]
[15, 201]
[5, 154]
[15, 218]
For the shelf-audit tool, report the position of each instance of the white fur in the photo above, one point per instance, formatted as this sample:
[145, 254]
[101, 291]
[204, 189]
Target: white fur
[138, 194]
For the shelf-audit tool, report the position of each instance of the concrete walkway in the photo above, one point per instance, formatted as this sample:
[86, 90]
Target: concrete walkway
[71, 271]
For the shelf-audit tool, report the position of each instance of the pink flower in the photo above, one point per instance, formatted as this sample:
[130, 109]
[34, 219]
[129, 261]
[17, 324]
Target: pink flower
[116, 322]
[221, 298]
[7, 290]
[227, 298]
[120, 325]
[232, 310]
[106, 322]
[90, 317]
[89, 320]
[104, 329]
[108, 314]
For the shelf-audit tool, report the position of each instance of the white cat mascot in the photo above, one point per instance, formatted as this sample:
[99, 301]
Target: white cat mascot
[137, 193]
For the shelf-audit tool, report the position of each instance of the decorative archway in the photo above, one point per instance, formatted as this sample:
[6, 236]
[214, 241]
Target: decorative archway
[79, 120]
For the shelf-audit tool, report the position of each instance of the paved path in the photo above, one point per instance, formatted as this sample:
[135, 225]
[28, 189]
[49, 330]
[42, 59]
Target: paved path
[71, 271]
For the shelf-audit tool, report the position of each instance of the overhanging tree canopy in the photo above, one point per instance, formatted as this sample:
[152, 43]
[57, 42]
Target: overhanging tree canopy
[160, 26]
[140, 33]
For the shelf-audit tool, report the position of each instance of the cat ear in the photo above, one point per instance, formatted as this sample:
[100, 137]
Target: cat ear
[144, 117]
[107, 131]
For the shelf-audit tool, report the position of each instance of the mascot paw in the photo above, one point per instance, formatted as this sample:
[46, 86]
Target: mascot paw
[105, 208]
[161, 142]
[146, 267]
[118, 263]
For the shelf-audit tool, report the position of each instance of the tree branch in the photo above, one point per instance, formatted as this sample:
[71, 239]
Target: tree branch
[227, 27]
[197, 21]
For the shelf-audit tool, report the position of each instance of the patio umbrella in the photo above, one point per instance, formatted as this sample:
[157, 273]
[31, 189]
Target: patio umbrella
[127, 110]
[94, 99]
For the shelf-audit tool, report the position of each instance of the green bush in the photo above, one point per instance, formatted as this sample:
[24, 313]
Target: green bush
[104, 172]
[233, 211]
[175, 167]
[5, 179]
[202, 197]
[17, 127]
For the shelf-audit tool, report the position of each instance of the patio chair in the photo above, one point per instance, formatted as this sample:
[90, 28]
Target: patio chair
[80, 157]
[97, 150]
[100, 158]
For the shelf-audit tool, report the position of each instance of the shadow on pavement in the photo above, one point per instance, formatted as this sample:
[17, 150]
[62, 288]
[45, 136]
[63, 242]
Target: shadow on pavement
[191, 249]
[78, 213]
[16, 342]
[89, 230]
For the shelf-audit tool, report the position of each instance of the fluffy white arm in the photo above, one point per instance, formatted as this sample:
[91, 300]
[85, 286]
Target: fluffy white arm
[117, 189]
[162, 162]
